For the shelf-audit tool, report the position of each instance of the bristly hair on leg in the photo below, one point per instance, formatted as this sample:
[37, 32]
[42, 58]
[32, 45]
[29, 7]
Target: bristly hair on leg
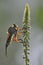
[21, 41]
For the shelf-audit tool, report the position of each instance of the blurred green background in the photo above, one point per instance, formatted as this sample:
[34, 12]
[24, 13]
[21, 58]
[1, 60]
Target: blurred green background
[11, 11]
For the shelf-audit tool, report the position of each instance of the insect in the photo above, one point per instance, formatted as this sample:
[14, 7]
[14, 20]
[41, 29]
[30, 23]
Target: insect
[12, 35]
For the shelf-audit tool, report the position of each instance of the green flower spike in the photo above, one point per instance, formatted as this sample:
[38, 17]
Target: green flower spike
[26, 33]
